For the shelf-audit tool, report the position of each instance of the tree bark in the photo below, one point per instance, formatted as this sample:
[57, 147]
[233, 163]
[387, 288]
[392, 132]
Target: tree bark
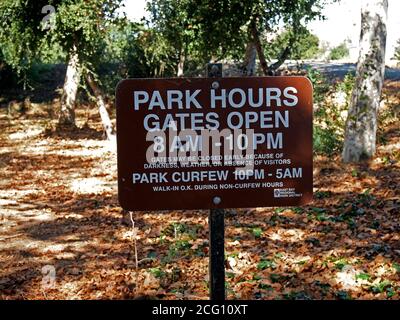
[257, 42]
[361, 124]
[281, 59]
[70, 90]
[249, 62]
[105, 118]
[181, 64]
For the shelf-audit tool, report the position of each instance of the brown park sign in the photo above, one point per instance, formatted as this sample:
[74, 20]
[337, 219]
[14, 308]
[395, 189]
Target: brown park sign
[204, 143]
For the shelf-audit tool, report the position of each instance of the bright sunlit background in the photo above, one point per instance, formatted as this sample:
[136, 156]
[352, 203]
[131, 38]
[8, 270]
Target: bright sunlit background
[135, 9]
[342, 24]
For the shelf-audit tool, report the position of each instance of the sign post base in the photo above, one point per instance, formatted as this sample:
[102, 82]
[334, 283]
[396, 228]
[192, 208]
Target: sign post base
[217, 254]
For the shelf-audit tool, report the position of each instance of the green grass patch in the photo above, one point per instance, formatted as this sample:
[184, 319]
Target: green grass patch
[363, 276]
[381, 286]
[157, 272]
[266, 264]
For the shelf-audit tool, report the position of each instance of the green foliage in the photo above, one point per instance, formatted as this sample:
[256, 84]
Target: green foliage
[177, 249]
[134, 50]
[324, 286]
[80, 23]
[279, 255]
[20, 31]
[130, 50]
[264, 286]
[202, 30]
[305, 46]
[330, 115]
[114, 48]
[39, 71]
[319, 214]
[339, 52]
[396, 266]
[157, 272]
[324, 138]
[275, 277]
[390, 292]
[195, 31]
[172, 30]
[326, 141]
[158, 57]
[51, 53]
[365, 198]
[85, 26]
[265, 264]
[294, 295]
[320, 85]
[181, 244]
[363, 276]
[346, 86]
[22, 38]
[176, 229]
[381, 286]
[322, 194]
[340, 263]
[257, 232]
[298, 210]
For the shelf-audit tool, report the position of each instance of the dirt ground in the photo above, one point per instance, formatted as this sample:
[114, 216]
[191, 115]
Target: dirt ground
[64, 236]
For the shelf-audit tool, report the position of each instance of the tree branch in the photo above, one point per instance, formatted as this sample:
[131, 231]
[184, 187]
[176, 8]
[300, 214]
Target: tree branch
[260, 52]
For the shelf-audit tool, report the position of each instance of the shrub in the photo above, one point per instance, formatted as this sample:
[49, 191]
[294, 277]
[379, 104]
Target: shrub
[329, 116]
[320, 84]
[306, 45]
[339, 52]
[326, 141]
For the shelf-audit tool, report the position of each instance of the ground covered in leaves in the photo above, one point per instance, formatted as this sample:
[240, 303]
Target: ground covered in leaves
[63, 235]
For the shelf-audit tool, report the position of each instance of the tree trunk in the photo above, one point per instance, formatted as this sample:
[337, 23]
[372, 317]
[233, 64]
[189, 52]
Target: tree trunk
[105, 118]
[257, 42]
[361, 124]
[281, 59]
[70, 90]
[249, 62]
[181, 64]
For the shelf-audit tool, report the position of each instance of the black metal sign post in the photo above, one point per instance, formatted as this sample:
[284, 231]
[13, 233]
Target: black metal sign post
[217, 254]
[216, 230]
